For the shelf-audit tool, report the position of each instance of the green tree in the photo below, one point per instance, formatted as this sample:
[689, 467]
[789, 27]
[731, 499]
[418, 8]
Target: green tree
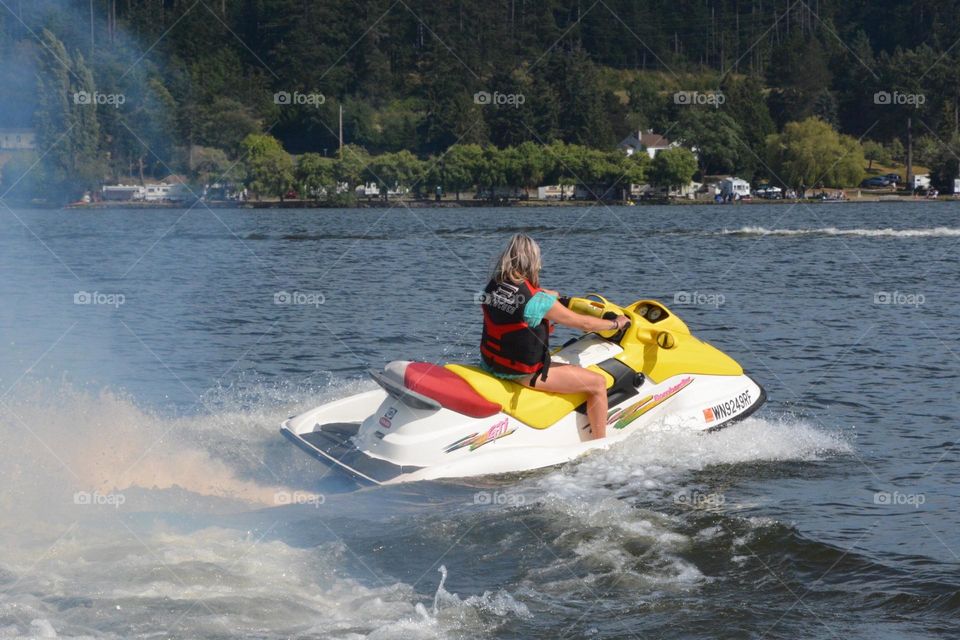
[66, 120]
[746, 104]
[225, 122]
[649, 104]
[460, 166]
[896, 151]
[491, 171]
[212, 165]
[583, 117]
[52, 119]
[716, 136]
[562, 161]
[801, 71]
[531, 165]
[926, 150]
[673, 168]
[269, 168]
[811, 152]
[875, 152]
[635, 168]
[87, 168]
[350, 166]
[316, 175]
[395, 171]
[945, 167]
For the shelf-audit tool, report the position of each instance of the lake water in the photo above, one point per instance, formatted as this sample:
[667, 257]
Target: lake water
[145, 365]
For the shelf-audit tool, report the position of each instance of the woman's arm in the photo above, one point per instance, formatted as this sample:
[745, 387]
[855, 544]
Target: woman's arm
[561, 315]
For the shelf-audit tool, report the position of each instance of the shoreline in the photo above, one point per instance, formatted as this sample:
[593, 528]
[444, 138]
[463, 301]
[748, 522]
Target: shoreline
[464, 204]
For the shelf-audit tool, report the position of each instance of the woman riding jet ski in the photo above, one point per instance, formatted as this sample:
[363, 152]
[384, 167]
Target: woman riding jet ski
[525, 407]
[516, 329]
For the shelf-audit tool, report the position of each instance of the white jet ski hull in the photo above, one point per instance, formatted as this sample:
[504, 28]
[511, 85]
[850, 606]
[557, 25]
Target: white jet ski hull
[349, 434]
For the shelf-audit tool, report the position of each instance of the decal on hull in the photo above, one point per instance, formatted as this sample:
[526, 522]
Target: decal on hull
[642, 406]
[476, 440]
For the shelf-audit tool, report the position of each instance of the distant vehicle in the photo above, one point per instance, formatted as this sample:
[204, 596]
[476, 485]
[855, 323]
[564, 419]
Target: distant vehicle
[894, 178]
[291, 195]
[733, 187]
[768, 192]
[876, 182]
[921, 181]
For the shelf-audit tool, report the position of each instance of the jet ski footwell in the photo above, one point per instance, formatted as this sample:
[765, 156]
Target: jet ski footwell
[331, 445]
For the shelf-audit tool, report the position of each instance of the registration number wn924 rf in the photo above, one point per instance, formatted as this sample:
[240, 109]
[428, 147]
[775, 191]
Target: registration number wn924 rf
[729, 408]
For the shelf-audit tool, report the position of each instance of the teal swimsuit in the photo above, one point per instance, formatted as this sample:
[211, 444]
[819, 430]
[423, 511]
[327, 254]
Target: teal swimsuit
[533, 313]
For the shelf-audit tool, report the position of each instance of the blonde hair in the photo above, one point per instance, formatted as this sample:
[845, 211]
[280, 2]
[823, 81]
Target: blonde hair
[519, 261]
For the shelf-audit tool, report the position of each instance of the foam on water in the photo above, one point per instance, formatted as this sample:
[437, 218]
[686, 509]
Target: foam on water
[620, 512]
[612, 519]
[63, 441]
[219, 583]
[154, 564]
[936, 232]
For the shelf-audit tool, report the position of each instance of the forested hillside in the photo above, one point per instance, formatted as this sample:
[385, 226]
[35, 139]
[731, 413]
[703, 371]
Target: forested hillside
[189, 75]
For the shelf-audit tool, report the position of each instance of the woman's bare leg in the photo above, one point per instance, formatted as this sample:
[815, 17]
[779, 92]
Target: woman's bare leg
[573, 379]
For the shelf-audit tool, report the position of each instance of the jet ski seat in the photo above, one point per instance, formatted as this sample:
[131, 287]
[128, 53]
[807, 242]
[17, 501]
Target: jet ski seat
[441, 385]
[530, 406]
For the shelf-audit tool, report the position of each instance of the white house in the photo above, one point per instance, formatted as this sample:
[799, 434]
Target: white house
[17, 140]
[921, 181]
[648, 141]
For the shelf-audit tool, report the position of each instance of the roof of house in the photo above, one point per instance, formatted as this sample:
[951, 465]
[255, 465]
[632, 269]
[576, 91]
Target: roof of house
[651, 139]
[647, 140]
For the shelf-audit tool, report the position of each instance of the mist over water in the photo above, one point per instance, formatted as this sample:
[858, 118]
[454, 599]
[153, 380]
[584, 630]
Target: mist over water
[147, 491]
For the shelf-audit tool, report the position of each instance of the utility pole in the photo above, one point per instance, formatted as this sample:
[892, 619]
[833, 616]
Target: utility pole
[92, 42]
[341, 131]
[909, 152]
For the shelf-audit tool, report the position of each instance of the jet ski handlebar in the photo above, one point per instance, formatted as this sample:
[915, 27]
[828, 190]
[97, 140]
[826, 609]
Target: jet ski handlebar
[593, 304]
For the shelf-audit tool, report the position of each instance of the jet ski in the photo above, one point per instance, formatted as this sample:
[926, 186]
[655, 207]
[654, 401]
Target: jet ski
[427, 421]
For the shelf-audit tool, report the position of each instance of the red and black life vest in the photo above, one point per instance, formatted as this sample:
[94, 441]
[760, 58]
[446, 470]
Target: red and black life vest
[509, 345]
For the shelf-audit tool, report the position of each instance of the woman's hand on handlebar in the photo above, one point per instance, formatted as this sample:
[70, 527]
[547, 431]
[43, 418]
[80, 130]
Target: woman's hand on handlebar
[562, 315]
